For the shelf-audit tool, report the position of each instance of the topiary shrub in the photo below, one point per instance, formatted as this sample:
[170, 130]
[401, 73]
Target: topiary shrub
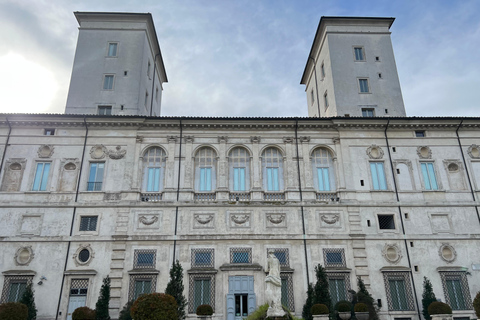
[204, 310]
[343, 306]
[476, 304]
[438, 307]
[154, 306]
[125, 313]
[319, 308]
[360, 307]
[83, 313]
[13, 311]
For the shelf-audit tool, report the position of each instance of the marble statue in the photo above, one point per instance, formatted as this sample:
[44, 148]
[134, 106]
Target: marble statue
[273, 292]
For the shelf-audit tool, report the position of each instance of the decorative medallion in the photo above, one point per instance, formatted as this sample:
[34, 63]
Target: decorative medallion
[189, 139]
[255, 139]
[276, 218]
[15, 166]
[171, 139]
[98, 151]
[375, 152]
[287, 139]
[304, 139]
[45, 151]
[84, 255]
[70, 166]
[24, 256]
[223, 139]
[424, 152]
[452, 166]
[146, 221]
[240, 218]
[447, 253]
[330, 218]
[139, 139]
[474, 151]
[117, 153]
[392, 253]
[203, 218]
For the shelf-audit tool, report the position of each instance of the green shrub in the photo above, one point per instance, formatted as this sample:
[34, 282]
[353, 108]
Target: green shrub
[204, 310]
[154, 306]
[319, 308]
[13, 311]
[438, 307]
[125, 313]
[476, 304]
[343, 306]
[261, 314]
[83, 313]
[28, 299]
[360, 307]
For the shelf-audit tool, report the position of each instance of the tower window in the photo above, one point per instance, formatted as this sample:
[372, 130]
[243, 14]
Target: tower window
[312, 96]
[112, 49]
[363, 85]
[49, 132]
[366, 112]
[420, 134]
[105, 110]
[108, 82]
[359, 54]
[322, 68]
[325, 98]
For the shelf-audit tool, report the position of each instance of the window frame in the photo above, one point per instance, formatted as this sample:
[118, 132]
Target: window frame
[104, 108]
[7, 286]
[154, 161]
[234, 162]
[360, 87]
[399, 276]
[193, 258]
[429, 174]
[244, 250]
[274, 178]
[325, 100]
[47, 131]
[284, 251]
[86, 217]
[203, 162]
[134, 278]
[110, 43]
[395, 224]
[461, 277]
[340, 251]
[95, 189]
[365, 110]
[136, 257]
[193, 278]
[104, 82]
[345, 276]
[364, 57]
[378, 182]
[43, 185]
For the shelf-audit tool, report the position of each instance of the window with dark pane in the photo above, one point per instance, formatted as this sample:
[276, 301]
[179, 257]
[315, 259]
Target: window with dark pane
[399, 291]
[337, 288]
[14, 287]
[456, 289]
[201, 292]
[145, 258]
[88, 223]
[386, 221]
[287, 290]
[334, 257]
[240, 255]
[202, 258]
[84, 255]
[142, 287]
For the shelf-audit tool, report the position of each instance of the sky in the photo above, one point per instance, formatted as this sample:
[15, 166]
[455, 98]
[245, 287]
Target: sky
[244, 57]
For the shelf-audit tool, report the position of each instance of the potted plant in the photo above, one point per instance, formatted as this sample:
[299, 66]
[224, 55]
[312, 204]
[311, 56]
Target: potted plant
[319, 312]
[344, 309]
[440, 311]
[204, 312]
[361, 311]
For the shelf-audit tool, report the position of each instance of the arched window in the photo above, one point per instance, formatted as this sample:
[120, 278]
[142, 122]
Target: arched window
[272, 167]
[239, 169]
[153, 169]
[322, 167]
[205, 169]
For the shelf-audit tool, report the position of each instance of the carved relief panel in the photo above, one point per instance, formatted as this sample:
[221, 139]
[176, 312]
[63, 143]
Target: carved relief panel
[203, 220]
[148, 220]
[330, 219]
[239, 219]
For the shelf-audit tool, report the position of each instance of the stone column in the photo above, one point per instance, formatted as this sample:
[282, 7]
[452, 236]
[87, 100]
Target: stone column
[257, 191]
[222, 173]
[137, 168]
[189, 176]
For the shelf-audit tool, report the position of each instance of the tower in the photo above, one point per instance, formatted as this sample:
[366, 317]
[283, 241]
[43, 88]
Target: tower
[351, 69]
[118, 66]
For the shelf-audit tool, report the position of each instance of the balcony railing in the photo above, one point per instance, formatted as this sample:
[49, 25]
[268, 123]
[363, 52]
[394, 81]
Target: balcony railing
[151, 197]
[94, 186]
[204, 196]
[274, 196]
[327, 196]
[239, 196]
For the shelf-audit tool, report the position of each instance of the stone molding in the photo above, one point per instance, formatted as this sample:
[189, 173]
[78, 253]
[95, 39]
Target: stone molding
[375, 152]
[98, 152]
[117, 154]
[387, 251]
[255, 139]
[45, 151]
[474, 151]
[20, 258]
[80, 248]
[443, 250]
[424, 152]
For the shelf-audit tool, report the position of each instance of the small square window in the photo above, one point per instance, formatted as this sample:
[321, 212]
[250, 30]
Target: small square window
[241, 255]
[108, 82]
[420, 133]
[202, 258]
[377, 58]
[88, 223]
[334, 257]
[105, 110]
[386, 222]
[363, 85]
[112, 49]
[281, 254]
[359, 54]
[367, 112]
[49, 132]
[145, 258]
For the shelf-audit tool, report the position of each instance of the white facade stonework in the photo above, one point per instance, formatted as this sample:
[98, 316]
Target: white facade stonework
[390, 200]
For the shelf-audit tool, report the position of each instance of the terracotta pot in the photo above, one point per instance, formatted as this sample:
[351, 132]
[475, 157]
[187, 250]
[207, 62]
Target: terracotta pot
[442, 316]
[345, 315]
[362, 315]
[320, 317]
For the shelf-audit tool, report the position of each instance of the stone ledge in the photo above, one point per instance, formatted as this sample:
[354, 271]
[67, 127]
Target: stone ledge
[241, 266]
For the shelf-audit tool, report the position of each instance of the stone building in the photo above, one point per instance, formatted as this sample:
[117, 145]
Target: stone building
[389, 199]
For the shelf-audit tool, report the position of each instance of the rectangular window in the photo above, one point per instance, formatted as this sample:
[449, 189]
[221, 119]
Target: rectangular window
[368, 113]
[49, 132]
[399, 292]
[239, 179]
[359, 54]
[429, 178]
[386, 222]
[105, 110]
[108, 82]
[141, 284]
[144, 259]
[95, 178]
[457, 293]
[337, 289]
[325, 100]
[282, 256]
[16, 291]
[14, 287]
[334, 258]
[153, 179]
[88, 223]
[287, 290]
[201, 292]
[240, 255]
[378, 176]
[41, 176]
[202, 258]
[142, 287]
[323, 179]
[420, 134]
[112, 49]
[273, 183]
[205, 179]
[363, 85]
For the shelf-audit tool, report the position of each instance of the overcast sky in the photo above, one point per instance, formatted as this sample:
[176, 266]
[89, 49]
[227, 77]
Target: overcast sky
[245, 57]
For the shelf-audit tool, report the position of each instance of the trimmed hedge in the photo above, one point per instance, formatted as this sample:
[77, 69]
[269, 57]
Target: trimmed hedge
[154, 306]
[343, 306]
[438, 307]
[319, 308]
[83, 313]
[13, 311]
[360, 307]
[476, 304]
[204, 310]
